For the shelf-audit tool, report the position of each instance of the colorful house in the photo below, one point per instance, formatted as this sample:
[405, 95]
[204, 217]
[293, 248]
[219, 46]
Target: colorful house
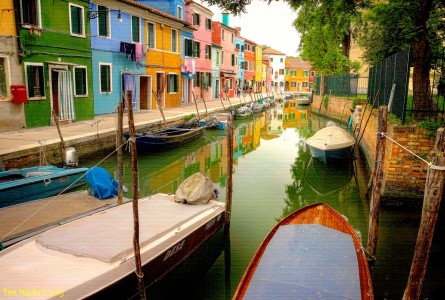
[239, 45]
[12, 116]
[201, 18]
[56, 59]
[267, 75]
[297, 75]
[224, 35]
[277, 63]
[249, 63]
[258, 68]
[216, 66]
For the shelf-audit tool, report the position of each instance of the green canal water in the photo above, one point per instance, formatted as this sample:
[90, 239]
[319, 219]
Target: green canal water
[274, 176]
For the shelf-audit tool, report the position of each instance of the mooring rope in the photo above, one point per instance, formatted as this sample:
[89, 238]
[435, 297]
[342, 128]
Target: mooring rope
[430, 164]
[67, 188]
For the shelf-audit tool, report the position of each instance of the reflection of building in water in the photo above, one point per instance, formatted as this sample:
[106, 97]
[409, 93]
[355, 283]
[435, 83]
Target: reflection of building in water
[275, 126]
[294, 117]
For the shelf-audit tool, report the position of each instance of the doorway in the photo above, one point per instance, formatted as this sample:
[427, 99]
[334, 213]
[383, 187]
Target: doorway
[62, 96]
[145, 93]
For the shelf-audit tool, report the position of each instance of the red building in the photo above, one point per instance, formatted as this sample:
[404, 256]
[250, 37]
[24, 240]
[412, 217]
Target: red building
[249, 62]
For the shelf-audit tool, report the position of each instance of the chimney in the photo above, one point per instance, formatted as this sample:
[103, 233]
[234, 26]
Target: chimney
[225, 18]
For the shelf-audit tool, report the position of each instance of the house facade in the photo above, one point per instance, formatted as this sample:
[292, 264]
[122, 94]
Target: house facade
[56, 60]
[239, 45]
[297, 75]
[249, 63]
[12, 115]
[277, 63]
[201, 18]
[258, 68]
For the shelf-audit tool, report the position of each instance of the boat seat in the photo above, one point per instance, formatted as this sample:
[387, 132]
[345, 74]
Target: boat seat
[37, 173]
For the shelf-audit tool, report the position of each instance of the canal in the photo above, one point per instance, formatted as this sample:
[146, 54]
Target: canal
[273, 176]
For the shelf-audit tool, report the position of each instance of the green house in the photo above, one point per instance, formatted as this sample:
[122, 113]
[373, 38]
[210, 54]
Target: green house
[56, 58]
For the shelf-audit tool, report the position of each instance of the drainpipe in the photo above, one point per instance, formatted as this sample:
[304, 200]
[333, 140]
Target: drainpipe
[20, 53]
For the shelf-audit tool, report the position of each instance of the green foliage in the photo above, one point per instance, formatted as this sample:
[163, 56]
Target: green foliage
[393, 119]
[325, 101]
[430, 126]
[188, 117]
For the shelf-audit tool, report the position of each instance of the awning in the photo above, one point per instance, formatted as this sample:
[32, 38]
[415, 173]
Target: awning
[227, 74]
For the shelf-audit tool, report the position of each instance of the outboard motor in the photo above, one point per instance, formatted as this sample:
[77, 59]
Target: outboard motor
[71, 157]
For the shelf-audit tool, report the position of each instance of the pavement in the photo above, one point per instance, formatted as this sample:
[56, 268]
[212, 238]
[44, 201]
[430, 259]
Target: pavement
[15, 144]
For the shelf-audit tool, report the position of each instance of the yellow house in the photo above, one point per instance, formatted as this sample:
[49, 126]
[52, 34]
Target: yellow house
[163, 61]
[296, 76]
[258, 68]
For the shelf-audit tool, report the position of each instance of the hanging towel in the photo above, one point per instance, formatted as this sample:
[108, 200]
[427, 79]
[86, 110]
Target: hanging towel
[138, 51]
[144, 48]
[193, 67]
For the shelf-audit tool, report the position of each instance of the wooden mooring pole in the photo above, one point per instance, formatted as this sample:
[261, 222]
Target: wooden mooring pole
[62, 142]
[196, 105]
[134, 171]
[120, 152]
[229, 172]
[377, 182]
[431, 203]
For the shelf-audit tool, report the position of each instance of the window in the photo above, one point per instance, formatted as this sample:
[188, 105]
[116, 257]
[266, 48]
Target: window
[233, 38]
[77, 27]
[293, 84]
[287, 71]
[3, 82]
[105, 77]
[246, 65]
[237, 46]
[179, 12]
[281, 59]
[196, 49]
[80, 81]
[196, 19]
[208, 52]
[188, 47]
[174, 40]
[103, 21]
[35, 81]
[304, 84]
[135, 28]
[281, 83]
[222, 57]
[30, 12]
[281, 72]
[172, 83]
[151, 35]
[293, 73]
[197, 79]
[305, 73]
[233, 60]
[217, 58]
[312, 73]
[209, 24]
[253, 48]
[222, 34]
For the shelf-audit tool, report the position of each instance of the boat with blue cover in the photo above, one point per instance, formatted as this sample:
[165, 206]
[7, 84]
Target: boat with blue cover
[22, 185]
[314, 253]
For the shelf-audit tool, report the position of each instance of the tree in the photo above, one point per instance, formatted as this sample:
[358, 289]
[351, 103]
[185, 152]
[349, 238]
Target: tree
[397, 25]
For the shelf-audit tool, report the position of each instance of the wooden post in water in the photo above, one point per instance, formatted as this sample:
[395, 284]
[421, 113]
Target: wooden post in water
[229, 172]
[120, 152]
[205, 105]
[62, 143]
[431, 203]
[196, 105]
[134, 171]
[377, 182]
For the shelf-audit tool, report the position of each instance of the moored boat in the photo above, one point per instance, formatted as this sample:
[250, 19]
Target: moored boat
[166, 138]
[22, 185]
[215, 121]
[314, 253]
[331, 144]
[93, 256]
[243, 113]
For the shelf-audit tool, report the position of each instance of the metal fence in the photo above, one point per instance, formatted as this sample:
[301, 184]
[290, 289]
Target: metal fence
[348, 85]
[389, 79]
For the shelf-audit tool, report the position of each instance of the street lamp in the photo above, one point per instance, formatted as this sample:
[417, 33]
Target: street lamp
[93, 14]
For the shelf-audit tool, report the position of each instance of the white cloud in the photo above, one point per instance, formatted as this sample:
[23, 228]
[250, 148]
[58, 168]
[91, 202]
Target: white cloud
[266, 24]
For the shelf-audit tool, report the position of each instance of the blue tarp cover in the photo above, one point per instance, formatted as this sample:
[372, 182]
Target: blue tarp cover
[307, 262]
[101, 182]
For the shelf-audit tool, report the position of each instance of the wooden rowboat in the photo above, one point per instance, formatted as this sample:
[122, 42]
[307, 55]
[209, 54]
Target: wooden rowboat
[314, 253]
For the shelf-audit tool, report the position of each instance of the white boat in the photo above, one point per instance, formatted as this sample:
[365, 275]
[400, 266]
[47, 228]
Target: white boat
[216, 121]
[331, 144]
[93, 256]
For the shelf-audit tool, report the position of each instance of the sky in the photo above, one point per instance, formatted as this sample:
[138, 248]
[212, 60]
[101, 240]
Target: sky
[265, 25]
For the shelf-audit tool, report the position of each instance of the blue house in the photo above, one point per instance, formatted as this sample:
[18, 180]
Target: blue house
[239, 44]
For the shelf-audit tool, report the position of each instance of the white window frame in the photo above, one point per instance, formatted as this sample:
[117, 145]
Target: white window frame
[177, 81]
[111, 78]
[86, 81]
[174, 32]
[108, 23]
[208, 22]
[7, 75]
[26, 78]
[83, 20]
[154, 35]
[39, 15]
[179, 12]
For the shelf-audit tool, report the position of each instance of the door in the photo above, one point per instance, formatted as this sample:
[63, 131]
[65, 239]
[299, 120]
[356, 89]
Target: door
[216, 95]
[129, 84]
[145, 92]
[62, 94]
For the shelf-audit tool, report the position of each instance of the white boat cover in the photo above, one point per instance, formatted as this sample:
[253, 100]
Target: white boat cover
[331, 138]
[108, 236]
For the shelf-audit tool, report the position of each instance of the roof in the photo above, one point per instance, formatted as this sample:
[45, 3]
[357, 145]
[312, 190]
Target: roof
[296, 63]
[270, 51]
[157, 12]
[199, 5]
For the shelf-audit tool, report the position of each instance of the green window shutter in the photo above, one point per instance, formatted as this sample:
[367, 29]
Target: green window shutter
[233, 59]
[135, 28]
[151, 36]
[103, 21]
[75, 20]
[104, 79]
[80, 80]
[41, 81]
[30, 76]
[175, 78]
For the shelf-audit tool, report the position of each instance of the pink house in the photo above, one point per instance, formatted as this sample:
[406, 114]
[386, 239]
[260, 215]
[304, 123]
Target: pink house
[201, 18]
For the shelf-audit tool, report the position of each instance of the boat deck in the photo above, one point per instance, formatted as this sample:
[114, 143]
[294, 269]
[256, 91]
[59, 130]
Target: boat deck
[47, 212]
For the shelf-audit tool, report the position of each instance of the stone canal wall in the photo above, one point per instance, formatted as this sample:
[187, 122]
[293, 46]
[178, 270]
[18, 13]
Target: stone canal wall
[404, 174]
